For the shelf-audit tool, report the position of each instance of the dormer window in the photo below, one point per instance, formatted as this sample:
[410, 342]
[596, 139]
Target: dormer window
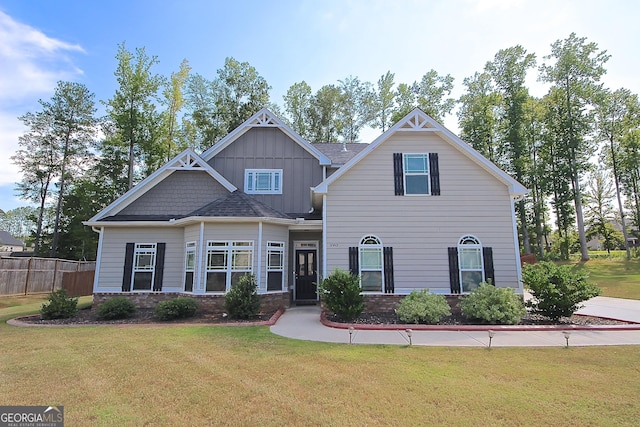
[263, 181]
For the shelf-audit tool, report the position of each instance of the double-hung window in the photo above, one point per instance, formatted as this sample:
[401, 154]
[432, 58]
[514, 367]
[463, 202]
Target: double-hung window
[189, 266]
[471, 265]
[263, 181]
[227, 262]
[144, 261]
[275, 266]
[416, 174]
[371, 266]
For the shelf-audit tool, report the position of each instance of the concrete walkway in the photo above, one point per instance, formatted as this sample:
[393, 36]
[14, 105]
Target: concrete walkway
[303, 323]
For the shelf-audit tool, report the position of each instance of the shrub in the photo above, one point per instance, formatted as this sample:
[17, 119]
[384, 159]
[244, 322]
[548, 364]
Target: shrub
[340, 291]
[493, 305]
[423, 307]
[557, 290]
[242, 300]
[176, 308]
[60, 306]
[116, 308]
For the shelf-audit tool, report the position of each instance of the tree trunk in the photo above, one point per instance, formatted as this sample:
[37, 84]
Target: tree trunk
[617, 184]
[577, 198]
[526, 244]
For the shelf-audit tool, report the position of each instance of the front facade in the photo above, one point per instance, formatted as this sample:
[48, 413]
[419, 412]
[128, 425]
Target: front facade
[415, 209]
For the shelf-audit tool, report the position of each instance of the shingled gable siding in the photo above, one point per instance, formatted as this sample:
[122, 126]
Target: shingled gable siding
[179, 193]
[420, 229]
[270, 148]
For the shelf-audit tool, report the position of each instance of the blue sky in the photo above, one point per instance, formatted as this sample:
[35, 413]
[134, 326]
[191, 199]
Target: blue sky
[319, 41]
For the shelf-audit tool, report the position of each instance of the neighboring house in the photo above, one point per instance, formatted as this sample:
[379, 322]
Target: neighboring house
[8, 243]
[417, 208]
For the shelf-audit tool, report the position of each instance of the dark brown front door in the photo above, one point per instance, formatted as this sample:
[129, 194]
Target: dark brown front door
[306, 275]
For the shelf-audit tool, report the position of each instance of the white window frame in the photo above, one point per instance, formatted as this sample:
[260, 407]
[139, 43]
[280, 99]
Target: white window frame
[275, 248]
[141, 249]
[465, 244]
[190, 249]
[405, 174]
[371, 243]
[275, 181]
[232, 251]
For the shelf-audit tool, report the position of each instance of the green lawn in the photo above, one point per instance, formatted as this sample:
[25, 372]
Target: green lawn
[617, 277]
[245, 376]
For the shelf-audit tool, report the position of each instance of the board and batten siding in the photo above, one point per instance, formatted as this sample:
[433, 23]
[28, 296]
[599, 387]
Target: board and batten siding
[421, 228]
[114, 241]
[180, 193]
[270, 148]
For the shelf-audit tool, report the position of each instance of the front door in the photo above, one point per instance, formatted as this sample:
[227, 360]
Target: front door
[306, 275]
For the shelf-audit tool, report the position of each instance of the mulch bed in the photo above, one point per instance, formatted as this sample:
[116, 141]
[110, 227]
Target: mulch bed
[145, 316]
[387, 318]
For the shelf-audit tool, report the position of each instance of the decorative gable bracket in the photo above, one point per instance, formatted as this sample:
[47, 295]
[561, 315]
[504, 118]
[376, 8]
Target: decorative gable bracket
[188, 161]
[264, 119]
[417, 121]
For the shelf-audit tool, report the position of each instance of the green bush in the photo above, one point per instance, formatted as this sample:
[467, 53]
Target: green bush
[557, 290]
[340, 291]
[116, 308]
[493, 305]
[242, 300]
[423, 307]
[176, 308]
[59, 306]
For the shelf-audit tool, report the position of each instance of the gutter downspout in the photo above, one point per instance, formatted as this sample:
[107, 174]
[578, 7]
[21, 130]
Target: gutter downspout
[259, 264]
[324, 237]
[517, 243]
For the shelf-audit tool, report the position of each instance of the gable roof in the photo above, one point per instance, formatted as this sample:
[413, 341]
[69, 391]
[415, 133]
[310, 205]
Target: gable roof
[264, 118]
[187, 160]
[419, 121]
[238, 204]
[9, 240]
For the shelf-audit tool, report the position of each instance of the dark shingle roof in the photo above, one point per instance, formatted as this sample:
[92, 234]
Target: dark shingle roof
[238, 204]
[8, 239]
[335, 152]
[115, 218]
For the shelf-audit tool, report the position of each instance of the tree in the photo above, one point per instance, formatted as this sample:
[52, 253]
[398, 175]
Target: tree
[323, 115]
[19, 222]
[356, 108]
[173, 99]
[297, 103]
[385, 101]
[405, 101]
[478, 115]
[575, 73]
[599, 211]
[132, 108]
[432, 93]
[509, 70]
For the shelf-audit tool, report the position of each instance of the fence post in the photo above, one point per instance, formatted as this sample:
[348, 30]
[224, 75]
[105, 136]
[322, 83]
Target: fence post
[26, 284]
[55, 275]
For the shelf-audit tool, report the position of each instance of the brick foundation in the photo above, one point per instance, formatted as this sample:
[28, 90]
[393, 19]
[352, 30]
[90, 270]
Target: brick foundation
[214, 304]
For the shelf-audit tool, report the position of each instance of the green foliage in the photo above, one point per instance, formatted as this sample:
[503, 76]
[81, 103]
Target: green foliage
[116, 308]
[493, 305]
[340, 291]
[242, 300]
[423, 307]
[59, 306]
[176, 308]
[558, 290]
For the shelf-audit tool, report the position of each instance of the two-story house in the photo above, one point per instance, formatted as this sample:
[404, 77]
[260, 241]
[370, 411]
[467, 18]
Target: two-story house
[417, 208]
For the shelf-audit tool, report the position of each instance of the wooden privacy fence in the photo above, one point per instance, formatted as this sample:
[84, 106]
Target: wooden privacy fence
[24, 276]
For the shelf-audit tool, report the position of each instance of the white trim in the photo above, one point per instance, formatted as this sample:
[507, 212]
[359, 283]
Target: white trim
[297, 246]
[187, 160]
[229, 247]
[199, 288]
[517, 248]
[259, 261]
[324, 237]
[276, 246]
[98, 260]
[264, 118]
[477, 246]
[418, 120]
[137, 248]
[275, 181]
[184, 265]
[377, 246]
[405, 174]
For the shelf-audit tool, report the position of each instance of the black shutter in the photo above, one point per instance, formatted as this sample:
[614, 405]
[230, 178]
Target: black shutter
[398, 174]
[354, 268]
[388, 270]
[159, 267]
[487, 259]
[128, 267]
[434, 174]
[454, 271]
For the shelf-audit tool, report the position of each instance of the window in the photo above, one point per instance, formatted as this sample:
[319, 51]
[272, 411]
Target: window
[470, 262]
[416, 174]
[189, 266]
[263, 181]
[275, 266]
[227, 262]
[371, 267]
[144, 261]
